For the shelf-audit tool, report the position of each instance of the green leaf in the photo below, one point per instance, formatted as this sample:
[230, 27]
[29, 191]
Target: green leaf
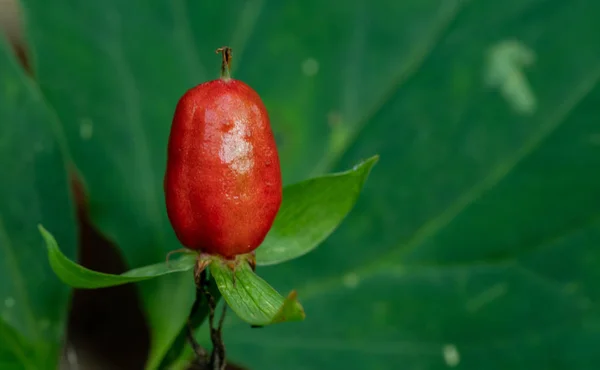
[252, 298]
[34, 188]
[78, 276]
[310, 212]
[473, 244]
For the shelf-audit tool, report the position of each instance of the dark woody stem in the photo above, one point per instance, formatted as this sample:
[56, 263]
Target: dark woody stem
[216, 360]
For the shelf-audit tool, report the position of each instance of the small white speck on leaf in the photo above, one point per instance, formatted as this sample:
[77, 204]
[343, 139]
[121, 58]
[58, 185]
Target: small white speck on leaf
[9, 302]
[351, 280]
[451, 355]
[310, 67]
[86, 128]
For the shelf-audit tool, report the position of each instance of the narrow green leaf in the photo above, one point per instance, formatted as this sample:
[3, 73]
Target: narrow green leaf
[310, 212]
[78, 276]
[252, 298]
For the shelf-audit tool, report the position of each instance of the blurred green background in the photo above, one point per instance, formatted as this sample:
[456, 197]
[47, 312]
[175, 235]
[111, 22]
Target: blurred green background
[476, 241]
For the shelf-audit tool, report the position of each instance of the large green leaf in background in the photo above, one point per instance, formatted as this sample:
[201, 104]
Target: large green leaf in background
[475, 242]
[33, 188]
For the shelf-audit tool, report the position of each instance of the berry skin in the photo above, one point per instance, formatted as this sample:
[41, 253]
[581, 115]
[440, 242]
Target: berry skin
[223, 181]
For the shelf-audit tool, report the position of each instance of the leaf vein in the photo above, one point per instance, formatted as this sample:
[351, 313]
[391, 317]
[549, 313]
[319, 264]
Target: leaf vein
[435, 225]
[408, 71]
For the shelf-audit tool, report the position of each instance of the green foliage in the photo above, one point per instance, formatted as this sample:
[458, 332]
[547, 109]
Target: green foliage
[253, 299]
[474, 244]
[310, 211]
[34, 188]
[78, 276]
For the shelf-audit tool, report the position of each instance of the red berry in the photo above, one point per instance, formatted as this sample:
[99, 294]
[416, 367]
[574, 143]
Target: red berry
[223, 180]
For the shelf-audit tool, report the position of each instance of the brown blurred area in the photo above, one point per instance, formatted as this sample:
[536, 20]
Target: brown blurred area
[10, 25]
[9, 19]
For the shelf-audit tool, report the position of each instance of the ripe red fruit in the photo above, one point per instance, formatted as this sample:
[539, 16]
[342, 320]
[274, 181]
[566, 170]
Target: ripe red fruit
[223, 180]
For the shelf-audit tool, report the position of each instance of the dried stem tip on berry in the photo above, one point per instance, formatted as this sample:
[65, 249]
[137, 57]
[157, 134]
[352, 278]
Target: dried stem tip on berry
[226, 62]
